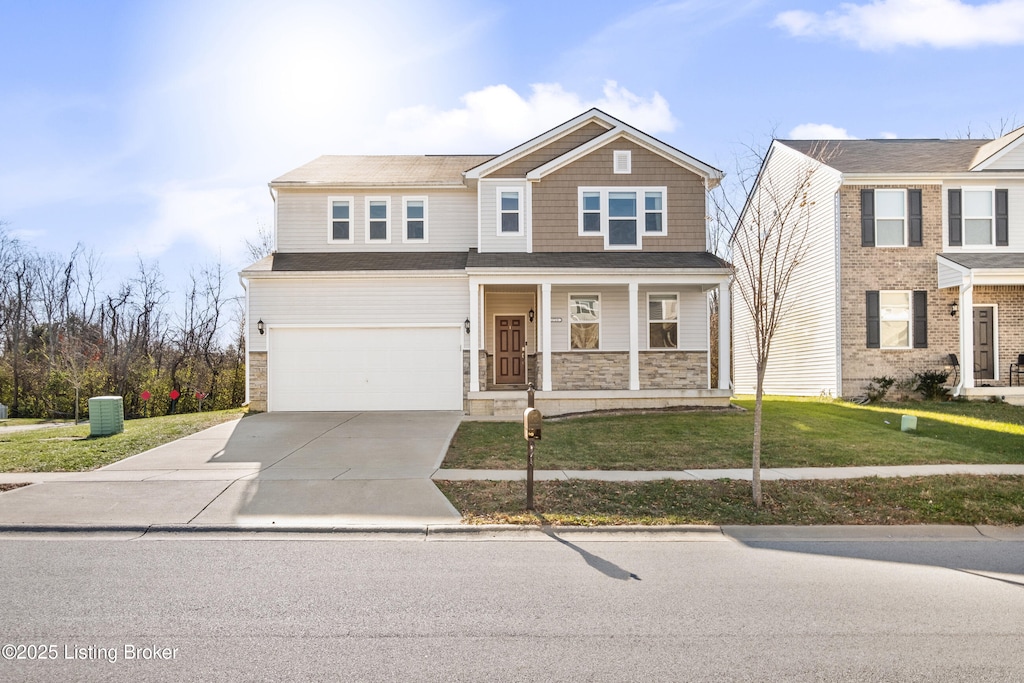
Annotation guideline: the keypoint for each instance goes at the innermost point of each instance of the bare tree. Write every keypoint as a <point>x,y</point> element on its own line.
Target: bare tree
<point>263,245</point>
<point>767,244</point>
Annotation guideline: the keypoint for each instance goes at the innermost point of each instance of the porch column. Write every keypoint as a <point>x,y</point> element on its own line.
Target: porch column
<point>724,336</point>
<point>545,339</point>
<point>474,335</point>
<point>966,336</point>
<point>634,337</point>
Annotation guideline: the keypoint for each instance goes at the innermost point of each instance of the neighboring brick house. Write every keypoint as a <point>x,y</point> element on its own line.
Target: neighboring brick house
<point>576,260</point>
<point>916,253</point>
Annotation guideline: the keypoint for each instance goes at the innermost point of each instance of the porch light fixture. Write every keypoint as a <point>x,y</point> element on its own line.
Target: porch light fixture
<point>532,315</point>
<point>954,308</point>
<point>260,326</point>
<point>467,325</point>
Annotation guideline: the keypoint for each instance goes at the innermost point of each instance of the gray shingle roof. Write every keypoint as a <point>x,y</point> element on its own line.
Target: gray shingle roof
<point>407,170</point>
<point>356,261</point>
<point>986,260</point>
<point>597,259</point>
<point>893,156</point>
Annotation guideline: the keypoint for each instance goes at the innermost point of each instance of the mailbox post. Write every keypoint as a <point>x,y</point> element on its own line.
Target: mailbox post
<point>531,432</point>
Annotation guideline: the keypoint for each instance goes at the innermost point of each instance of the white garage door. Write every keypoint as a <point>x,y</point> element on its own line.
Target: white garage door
<point>408,368</point>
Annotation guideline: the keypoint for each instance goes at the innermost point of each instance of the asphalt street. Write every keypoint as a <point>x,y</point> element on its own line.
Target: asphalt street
<point>399,608</point>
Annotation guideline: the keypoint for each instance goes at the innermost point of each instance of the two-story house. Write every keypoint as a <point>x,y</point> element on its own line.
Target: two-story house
<point>915,263</point>
<point>576,260</point>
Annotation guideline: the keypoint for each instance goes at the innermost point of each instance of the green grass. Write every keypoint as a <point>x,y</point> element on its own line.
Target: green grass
<point>797,433</point>
<point>956,499</point>
<point>71,449</point>
<point>23,421</point>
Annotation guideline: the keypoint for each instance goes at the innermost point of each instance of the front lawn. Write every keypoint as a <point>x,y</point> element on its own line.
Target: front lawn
<point>797,433</point>
<point>71,449</point>
<point>959,499</point>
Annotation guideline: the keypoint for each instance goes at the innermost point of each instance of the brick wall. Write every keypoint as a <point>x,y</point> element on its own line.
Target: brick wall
<point>258,381</point>
<point>1009,302</point>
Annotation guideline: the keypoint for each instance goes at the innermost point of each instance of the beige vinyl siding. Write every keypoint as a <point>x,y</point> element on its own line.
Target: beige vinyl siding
<point>804,355</point>
<point>556,199</point>
<point>510,303</point>
<point>693,316</point>
<point>490,240</point>
<point>518,168</point>
<point>1011,161</point>
<point>614,316</point>
<point>302,220</point>
<point>396,302</point>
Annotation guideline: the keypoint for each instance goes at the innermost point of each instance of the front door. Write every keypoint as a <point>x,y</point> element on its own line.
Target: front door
<point>984,348</point>
<point>509,337</point>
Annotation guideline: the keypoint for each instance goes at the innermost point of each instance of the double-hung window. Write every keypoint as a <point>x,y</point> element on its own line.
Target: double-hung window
<point>378,219</point>
<point>584,321</point>
<point>663,321</point>
<point>894,320</point>
<point>622,215</point>
<point>897,319</point>
<point>890,218</point>
<point>339,219</point>
<point>979,216</point>
<point>415,210</point>
<point>510,211</point>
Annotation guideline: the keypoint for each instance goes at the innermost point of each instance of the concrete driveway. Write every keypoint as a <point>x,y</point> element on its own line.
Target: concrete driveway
<point>272,470</point>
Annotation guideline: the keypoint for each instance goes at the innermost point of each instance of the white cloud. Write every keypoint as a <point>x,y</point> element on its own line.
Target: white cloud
<point>497,117</point>
<point>886,24</point>
<point>819,131</point>
<point>889,136</point>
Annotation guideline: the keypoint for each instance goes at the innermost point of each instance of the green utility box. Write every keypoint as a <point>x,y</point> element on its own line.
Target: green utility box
<point>106,415</point>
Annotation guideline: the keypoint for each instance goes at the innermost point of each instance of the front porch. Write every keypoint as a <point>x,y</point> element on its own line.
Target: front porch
<point>596,338</point>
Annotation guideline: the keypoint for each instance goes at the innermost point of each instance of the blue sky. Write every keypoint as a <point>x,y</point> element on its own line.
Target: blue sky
<point>151,128</point>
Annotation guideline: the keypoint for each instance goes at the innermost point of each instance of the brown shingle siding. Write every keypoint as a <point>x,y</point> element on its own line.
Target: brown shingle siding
<point>518,168</point>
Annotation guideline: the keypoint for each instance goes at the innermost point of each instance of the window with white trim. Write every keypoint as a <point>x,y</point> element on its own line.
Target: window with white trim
<point>584,321</point>
<point>979,216</point>
<point>339,218</point>
<point>415,211</point>
<point>510,211</point>
<point>894,308</point>
<point>378,219</point>
<point>623,215</point>
<point>890,218</point>
<point>663,321</point>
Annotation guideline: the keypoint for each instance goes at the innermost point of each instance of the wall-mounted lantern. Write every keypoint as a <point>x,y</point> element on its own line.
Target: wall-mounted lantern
<point>260,326</point>
<point>467,325</point>
<point>954,308</point>
<point>532,315</point>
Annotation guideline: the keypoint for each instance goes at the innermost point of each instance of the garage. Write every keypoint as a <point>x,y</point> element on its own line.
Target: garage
<point>364,368</point>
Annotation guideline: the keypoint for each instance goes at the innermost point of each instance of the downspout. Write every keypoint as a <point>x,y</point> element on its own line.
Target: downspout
<point>273,198</point>
<point>245,285</point>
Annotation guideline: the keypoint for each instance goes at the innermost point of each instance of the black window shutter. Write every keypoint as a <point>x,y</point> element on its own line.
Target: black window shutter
<point>955,219</point>
<point>867,218</point>
<point>1002,218</point>
<point>916,235</point>
<point>874,333</point>
<point>920,319</point>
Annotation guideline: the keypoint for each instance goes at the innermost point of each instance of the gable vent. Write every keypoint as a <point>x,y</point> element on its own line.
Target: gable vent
<point>623,161</point>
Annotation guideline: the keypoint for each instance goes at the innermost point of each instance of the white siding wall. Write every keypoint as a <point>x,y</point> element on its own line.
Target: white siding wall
<point>490,240</point>
<point>1012,161</point>
<point>693,317</point>
<point>804,352</point>
<point>510,303</point>
<point>302,220</point>
<point>355,302</point>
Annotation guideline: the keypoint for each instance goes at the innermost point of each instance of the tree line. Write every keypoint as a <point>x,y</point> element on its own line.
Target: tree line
<point>65,338</point>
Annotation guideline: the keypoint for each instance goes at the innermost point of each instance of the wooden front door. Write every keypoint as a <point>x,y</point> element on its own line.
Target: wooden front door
<point>984,347</point>
<point>509,336</point>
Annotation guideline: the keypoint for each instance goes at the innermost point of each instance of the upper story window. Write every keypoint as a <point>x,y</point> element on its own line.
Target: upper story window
<point>415,209</point>
<point>378,219</point>
<point>978,217</point>
<point>622,161</point>
<point>663,321</point>
<point>339,219</point>
<point>891,218</point>
<point>584,321</point>
<point>623,215</point>
<point>510,211</point>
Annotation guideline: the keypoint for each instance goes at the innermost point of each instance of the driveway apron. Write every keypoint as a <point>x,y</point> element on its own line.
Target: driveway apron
<point>272,470</point>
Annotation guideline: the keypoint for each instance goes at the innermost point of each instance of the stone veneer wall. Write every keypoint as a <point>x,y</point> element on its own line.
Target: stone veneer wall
<point>1009,327</point>
<point>589,370</point>
<point>258,381</point>
<point>673,370</point>
<point>892,268</point>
